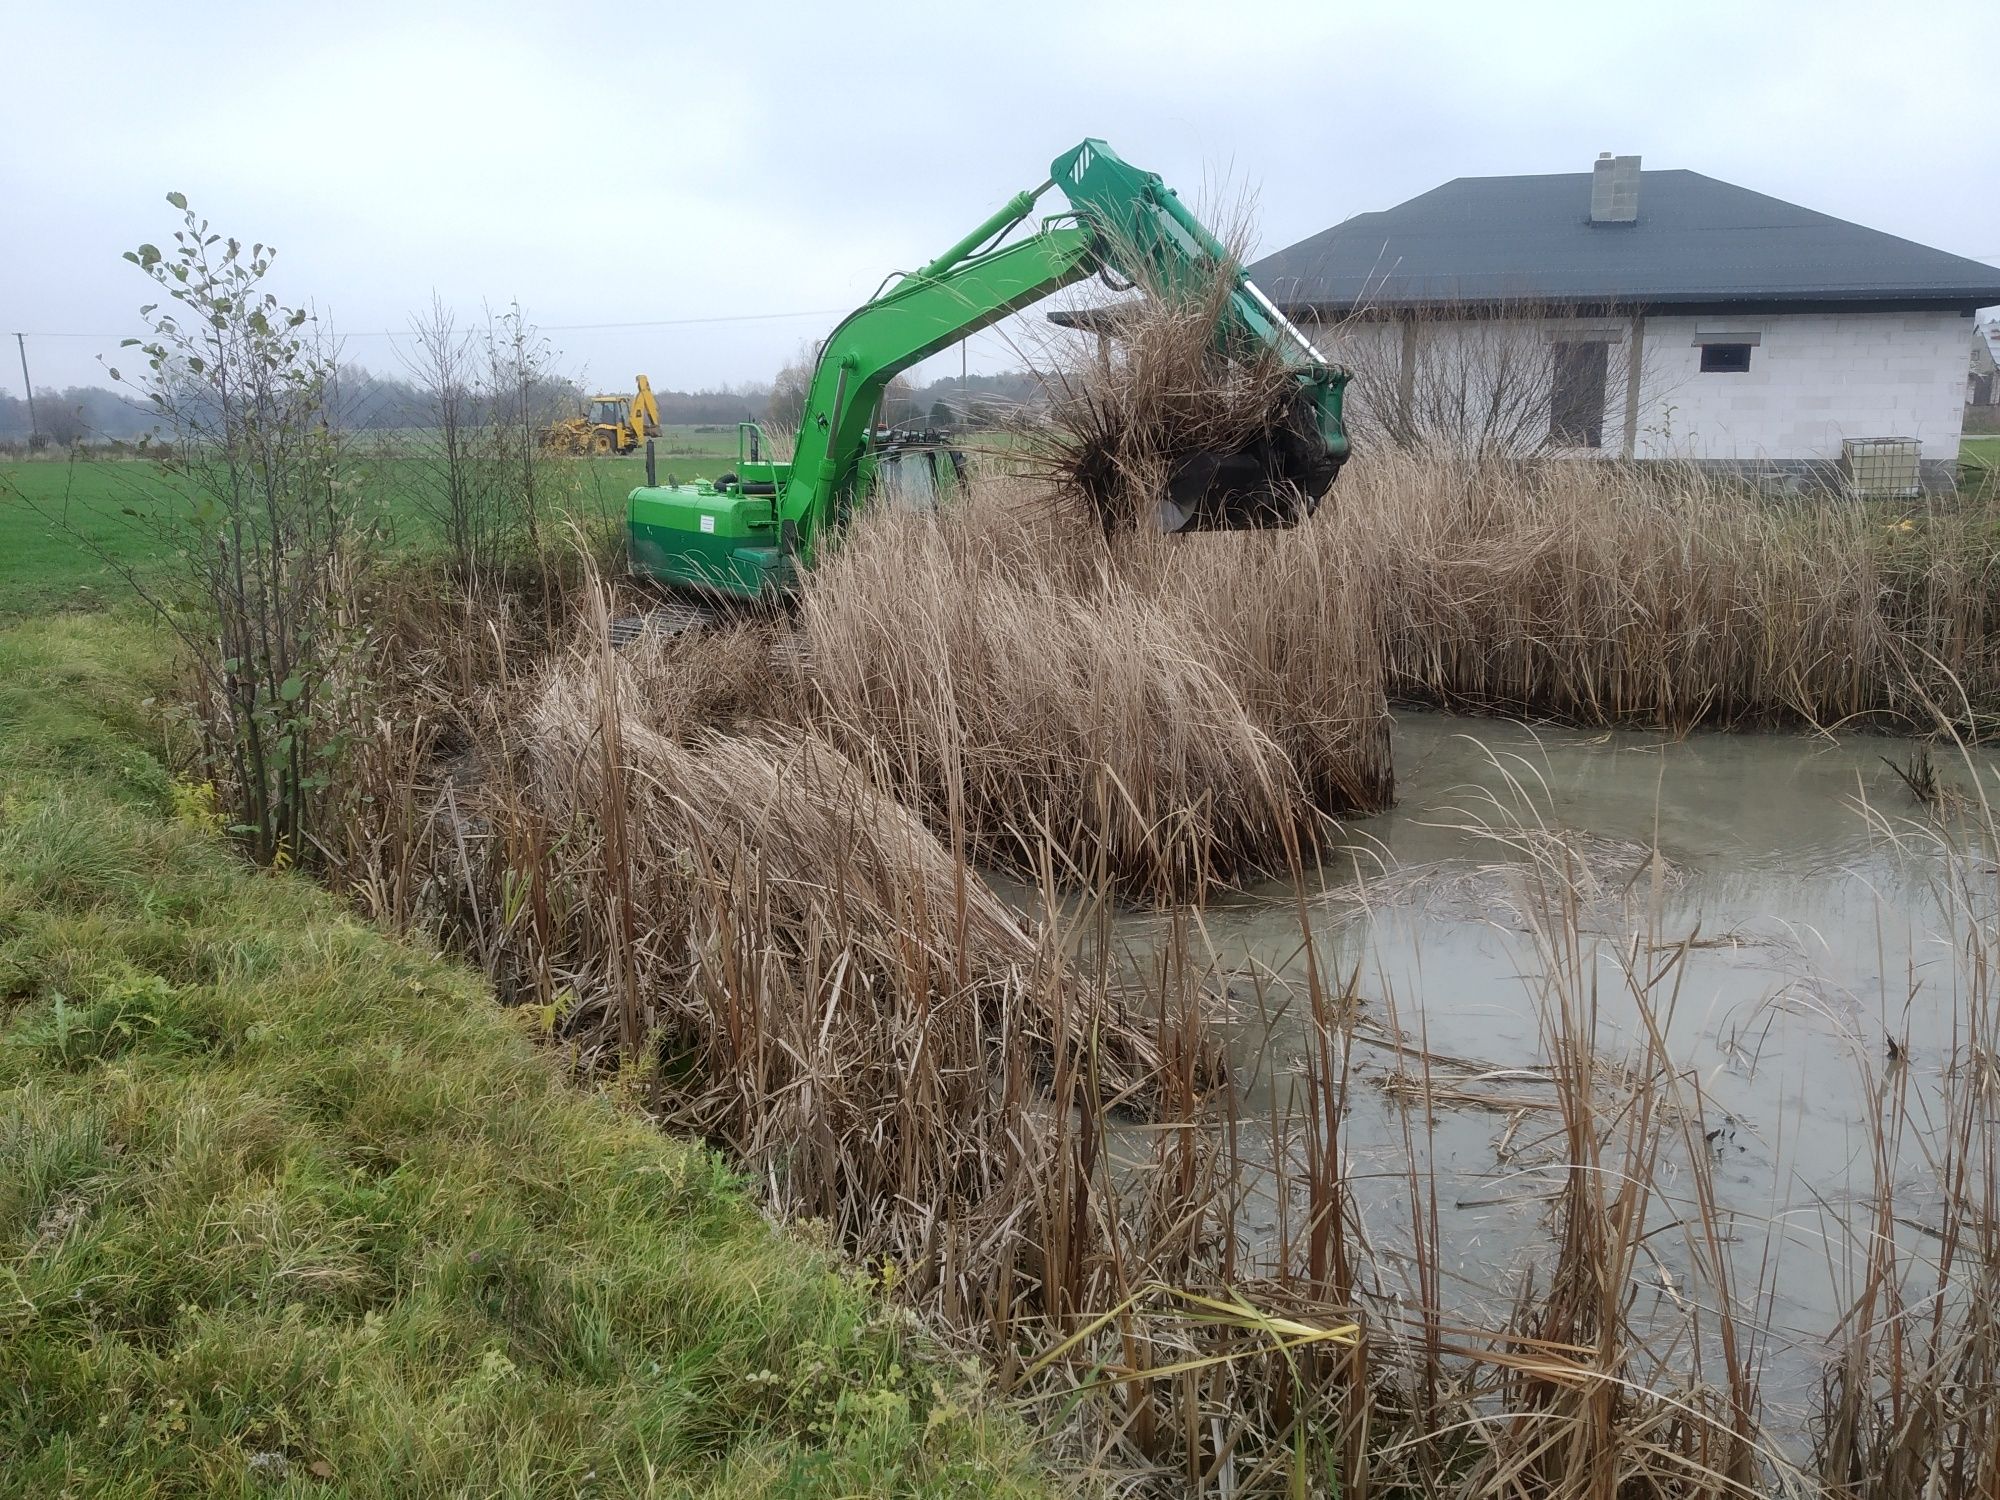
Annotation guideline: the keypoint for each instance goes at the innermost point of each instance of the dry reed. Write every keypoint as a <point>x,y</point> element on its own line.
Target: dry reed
<point>663,843</point>
<point>1165,395</point>
<point>1604,594</point>
<point>1140,709</point>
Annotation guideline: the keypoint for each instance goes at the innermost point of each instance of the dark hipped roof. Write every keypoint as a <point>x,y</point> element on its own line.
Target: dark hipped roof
<point>1697,242</point>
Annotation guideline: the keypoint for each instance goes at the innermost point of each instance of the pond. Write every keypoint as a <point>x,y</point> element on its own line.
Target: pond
<point>1779,909</point>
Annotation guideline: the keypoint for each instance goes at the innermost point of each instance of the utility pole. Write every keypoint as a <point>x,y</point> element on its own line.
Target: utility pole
<point>34,426</point>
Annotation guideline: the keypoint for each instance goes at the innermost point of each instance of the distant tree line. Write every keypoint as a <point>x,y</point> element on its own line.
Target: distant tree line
<point>363,400</point>
<point>76,413</point>
<point>729,405</point>
<point>983,400</point>
<point>975,401</point>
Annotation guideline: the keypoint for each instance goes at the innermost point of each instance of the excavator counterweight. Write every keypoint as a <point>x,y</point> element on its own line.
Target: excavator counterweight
<point>748,534</point>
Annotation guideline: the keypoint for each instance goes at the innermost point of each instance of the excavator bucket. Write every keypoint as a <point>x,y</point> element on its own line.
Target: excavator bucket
<point>1277,480</point>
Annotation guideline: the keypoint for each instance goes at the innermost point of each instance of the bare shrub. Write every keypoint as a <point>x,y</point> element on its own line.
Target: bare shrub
<point>481,471</point>
<point>1483,381</point>
<point>258,518</point>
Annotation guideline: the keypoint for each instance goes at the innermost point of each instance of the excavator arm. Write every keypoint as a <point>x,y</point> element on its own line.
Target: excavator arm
<point>747,534</point>
<point>920,315</point>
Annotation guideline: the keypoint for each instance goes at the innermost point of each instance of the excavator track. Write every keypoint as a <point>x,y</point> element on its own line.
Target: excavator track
<point>678,619</point>
<point>674,618</point>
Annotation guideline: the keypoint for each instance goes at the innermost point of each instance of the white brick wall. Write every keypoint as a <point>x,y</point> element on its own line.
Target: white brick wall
<point>1814,378</point>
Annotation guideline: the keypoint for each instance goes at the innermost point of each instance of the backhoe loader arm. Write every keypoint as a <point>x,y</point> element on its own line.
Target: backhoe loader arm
<point>645,410</point>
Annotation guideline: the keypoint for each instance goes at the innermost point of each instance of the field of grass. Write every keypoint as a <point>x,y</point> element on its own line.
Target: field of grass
<point>689,453</point>
<point>43,562</point>
<point>55,515</point>
<point>46,503</point>
<point>288,1207</point>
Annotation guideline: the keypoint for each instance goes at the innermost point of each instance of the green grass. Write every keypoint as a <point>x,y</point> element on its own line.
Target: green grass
<point>1982,451</point>
<point>68,528</point>
<point>289,1208</point>
<point>691,452</point>
<point>58,516</point>
<point>44,505</point>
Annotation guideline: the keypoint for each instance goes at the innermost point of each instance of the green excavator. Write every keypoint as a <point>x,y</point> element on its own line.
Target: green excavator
<point>748,534</point>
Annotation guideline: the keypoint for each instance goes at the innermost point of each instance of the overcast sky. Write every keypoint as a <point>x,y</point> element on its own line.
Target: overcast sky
<point>653,163</point>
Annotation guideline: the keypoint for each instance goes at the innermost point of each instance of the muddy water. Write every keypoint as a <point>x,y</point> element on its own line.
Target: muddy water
<point>1795,954</point>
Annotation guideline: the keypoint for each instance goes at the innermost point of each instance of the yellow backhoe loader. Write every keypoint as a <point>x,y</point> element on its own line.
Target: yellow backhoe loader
<point>616,424</point>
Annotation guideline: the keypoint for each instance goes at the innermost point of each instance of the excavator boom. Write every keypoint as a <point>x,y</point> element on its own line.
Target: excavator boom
<point>748,534</point>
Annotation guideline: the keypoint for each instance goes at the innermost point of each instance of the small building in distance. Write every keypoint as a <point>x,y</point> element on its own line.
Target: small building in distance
<point>1982,387</point>
<point>1641,315</point>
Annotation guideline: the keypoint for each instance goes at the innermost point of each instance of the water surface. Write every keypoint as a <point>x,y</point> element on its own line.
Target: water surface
<point>1780,897</point>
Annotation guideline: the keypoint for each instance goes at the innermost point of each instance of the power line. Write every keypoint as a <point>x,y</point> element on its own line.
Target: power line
<point>405,333</point>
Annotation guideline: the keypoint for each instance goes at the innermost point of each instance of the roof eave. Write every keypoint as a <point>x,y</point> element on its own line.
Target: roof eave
<point>1961,299</point>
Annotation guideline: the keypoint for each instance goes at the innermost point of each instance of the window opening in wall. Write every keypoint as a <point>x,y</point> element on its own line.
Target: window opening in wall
<point>1576,403</point>
<point>1725,359</point>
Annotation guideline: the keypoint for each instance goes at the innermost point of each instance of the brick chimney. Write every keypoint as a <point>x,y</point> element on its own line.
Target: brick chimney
<point>1614,189</point>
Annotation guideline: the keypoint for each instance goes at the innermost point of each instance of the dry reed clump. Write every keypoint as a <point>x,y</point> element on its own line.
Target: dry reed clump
<point>801,970</point>
<point>1041,673</point>
<point>1910,1403</point>
<point>1603,594</point>
<point>1283,610</point>
<point>1033,690</point>
<point>615,733</point>
<point>1165,392</point>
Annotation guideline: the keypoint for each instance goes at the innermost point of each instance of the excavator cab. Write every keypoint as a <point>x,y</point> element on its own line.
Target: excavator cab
<point>911,468</point>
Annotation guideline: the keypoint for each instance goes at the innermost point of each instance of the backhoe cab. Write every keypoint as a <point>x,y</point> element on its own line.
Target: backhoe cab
<point>747,534</point>
<point>615,424</point>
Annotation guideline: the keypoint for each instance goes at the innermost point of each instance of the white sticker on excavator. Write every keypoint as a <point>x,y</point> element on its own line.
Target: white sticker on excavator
<point>708,523</point>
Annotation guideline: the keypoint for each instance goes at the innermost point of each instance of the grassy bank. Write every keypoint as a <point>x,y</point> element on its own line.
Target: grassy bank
<point>288,1207</point>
